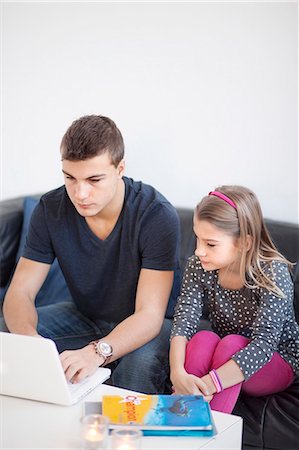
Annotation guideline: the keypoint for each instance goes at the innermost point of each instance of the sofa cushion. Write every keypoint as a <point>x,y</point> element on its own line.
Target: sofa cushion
<point>28,207</point>
<point>54,289</point>
<point>271,421</point>
<point>175,291</point>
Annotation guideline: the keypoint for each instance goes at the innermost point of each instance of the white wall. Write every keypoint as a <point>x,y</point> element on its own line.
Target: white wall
<point>204,93</point>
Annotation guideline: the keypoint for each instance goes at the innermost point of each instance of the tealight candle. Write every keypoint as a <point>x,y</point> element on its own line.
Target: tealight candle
<point>126,439</point>
<point>94,432</point>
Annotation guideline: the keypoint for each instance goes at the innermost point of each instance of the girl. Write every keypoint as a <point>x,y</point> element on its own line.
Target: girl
<point>246,285</point>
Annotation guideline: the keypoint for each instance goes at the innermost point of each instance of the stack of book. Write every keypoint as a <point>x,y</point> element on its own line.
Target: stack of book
<point>163,415</point>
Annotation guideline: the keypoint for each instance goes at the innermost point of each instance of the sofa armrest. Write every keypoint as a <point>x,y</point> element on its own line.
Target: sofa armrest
<point>11,219</point>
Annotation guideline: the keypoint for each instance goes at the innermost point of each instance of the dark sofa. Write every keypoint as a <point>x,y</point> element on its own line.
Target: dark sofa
<point>270,422</point>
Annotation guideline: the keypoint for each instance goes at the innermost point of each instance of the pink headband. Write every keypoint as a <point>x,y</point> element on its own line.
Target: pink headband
<point>223,197</point>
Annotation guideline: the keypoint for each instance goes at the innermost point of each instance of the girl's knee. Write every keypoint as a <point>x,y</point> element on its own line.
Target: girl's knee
<point>204,337</point>
<point>231,344</point>
<point>199,352</point>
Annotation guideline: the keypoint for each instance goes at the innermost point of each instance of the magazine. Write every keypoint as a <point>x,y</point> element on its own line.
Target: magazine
<point>188,415</point>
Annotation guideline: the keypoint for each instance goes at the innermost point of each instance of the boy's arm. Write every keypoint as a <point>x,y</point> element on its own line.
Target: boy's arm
<point>18,307</point>
<point>153,291</point>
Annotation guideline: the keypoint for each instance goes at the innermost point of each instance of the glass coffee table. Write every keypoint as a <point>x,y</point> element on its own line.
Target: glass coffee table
<point>26,424</point>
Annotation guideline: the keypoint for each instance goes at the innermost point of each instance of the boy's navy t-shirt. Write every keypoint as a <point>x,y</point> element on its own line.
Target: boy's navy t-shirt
<point>102,275</point>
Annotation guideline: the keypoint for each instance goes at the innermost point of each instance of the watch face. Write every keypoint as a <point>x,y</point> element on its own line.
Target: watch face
<point>105,348</point>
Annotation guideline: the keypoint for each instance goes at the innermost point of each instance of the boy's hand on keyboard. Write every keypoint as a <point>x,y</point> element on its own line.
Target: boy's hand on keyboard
<point>79,364</point>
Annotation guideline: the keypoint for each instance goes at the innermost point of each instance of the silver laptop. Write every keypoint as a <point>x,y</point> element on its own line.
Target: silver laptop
<point>30,368</point>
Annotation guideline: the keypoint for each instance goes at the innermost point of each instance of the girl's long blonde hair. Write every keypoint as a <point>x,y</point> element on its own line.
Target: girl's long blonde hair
<point>240,222</point>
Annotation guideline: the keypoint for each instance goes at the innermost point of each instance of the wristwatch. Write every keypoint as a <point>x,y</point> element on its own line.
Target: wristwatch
<point>103,349</point>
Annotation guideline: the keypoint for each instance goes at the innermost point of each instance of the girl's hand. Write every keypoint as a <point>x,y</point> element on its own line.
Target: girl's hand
<point>188,384</point>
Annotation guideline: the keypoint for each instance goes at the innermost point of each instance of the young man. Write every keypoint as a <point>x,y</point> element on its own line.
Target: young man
<point>116,241</point>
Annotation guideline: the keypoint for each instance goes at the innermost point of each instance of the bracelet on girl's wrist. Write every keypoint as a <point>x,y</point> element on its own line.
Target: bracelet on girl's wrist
<point>216,380</point>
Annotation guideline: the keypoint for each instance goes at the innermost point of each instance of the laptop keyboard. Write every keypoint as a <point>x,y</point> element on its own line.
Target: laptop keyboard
<point>81,389</point>
<point>74,387</point>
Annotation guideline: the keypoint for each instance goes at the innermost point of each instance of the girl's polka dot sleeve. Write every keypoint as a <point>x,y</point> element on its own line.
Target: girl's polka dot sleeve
<point>188,310</point>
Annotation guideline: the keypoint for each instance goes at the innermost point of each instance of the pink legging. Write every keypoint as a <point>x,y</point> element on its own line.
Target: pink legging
<point>206,351</point>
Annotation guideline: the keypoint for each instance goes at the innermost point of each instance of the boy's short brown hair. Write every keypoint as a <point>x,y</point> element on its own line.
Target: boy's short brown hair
<point>91,136</point>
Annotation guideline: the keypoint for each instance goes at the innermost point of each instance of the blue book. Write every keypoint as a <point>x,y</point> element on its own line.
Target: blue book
<point>163,415</point>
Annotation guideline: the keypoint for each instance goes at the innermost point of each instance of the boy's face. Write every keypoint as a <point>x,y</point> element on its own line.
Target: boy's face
<point>92,184</point>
